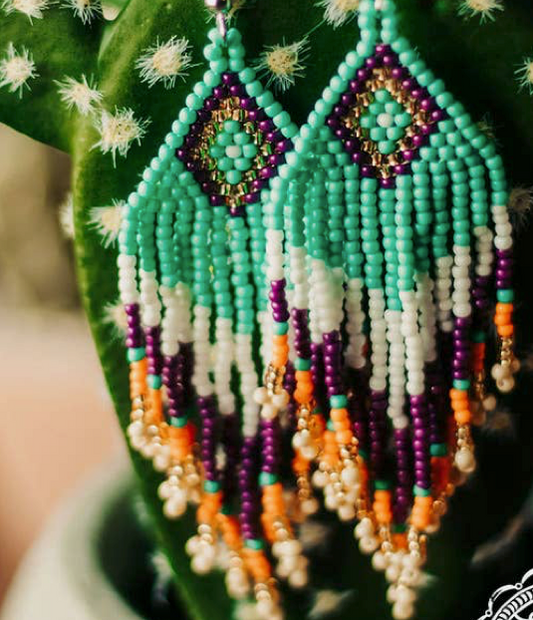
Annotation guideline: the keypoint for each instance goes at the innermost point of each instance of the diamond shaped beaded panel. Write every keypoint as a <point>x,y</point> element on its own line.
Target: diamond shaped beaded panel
<point>384,117</point>
<point>234,146</point>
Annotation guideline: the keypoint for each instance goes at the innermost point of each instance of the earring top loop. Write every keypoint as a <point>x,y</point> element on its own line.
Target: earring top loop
<point>221,9</point>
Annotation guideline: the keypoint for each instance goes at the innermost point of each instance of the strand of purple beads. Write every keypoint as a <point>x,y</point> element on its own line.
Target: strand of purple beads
<point>270,432</point>
<point>134,332</point>
<point>231,442</point>
<point>289,385</point>
<point>481,300</point>
<point>436,402</point>
<point>332,355</point>
<point>153,350</point>
<point>302,336</point>
<point>278,301</point>
<point>461,348</point>
<point>357,410</point>
<point>504,269</point>
<point>421,446</point>
<point>250,507</point>
<point>208,441</point>
<point>317,372</point>
<point>377,432</point>
<point>176,375</point>
<point>403,495</point>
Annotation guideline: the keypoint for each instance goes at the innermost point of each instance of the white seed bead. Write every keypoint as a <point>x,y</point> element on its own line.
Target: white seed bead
<point>175,506</point>
<point>392,573</point>
<point>465,460</point>
<point>201,564</point>
<point>506,385</point>
<point>368,544</point>
<point>402,611</point>
<point>379,561</point>
<point>346,512</point>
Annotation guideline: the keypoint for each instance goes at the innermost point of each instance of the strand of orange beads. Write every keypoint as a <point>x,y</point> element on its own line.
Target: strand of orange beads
<point>147,428</point>
<point>273,398</point>
<point>464,458</point>
<point>507,366</point>
<point>310,423</point>
<point>265,587</point>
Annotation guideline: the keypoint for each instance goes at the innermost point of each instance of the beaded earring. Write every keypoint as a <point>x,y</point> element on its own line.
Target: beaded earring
<point>191,258</point>
<point>350,265</point>
<point>383,228</point>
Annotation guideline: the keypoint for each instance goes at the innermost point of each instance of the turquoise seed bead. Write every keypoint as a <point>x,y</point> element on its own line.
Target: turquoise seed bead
<point>247,75</point>
<point>219,66</point>
<point>254,89</point>
<point>193,101</point>
<point>438,449</point>
<point>417,68</point>
<point>155,382</point>
<point>212,52</point>
<point>500,198</point>
<point>267,479</point>
<point>233,37</point>
<point>233,177</point>
<point>274,109</point>
<point>255,544</point>
<point>345,71</point>
<point>265,99</point>
<point>225,164</point>
<point>408,57</point>
<point>211,486</point>
<point>444,99</point>
<point>282,119</point>
<point>302,364</point>
<point>461,239</point>
<point>420,492</point>
<point>400,45</point>
<point>215,37</point>
<point>456,109</point>
<point>280,329</point>
<point>242,164</point>
<point>135,355</point>
<point>505,296</point>
<point>337,84</point>
<point>236,51</point>
<point>179,422</point>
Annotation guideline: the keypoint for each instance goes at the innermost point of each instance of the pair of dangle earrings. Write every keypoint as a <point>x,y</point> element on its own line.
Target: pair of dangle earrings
<point>317,301</point>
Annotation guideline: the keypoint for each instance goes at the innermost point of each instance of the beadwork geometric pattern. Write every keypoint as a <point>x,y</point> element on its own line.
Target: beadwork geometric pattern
<point>233,148</point>
<point>384,121</point>
<point>385,117</point>
<point>373,242</point>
